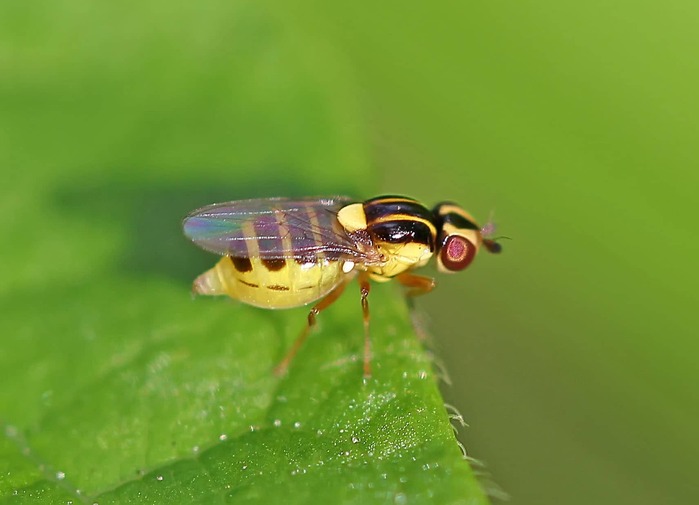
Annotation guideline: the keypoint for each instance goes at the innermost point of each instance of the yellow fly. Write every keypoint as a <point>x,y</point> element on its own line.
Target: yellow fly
<point>280,253</point>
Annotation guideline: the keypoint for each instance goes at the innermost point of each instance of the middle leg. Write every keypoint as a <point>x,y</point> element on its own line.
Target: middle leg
<point>365,287</point>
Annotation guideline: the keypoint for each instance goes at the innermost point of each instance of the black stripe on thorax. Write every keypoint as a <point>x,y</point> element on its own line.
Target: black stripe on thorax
<point>401,232</point>
<point>386,206</point>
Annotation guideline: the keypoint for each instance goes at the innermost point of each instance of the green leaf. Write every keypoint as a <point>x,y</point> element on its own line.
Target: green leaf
<point>117,386</point>
<point>185,409</point>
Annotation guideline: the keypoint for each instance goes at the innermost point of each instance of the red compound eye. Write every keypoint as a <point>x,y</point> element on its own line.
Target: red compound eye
<point>457,252</point>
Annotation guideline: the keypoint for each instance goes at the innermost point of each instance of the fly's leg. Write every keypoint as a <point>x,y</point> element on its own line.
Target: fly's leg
<point>283,365</point>
<point>364,287</point>
<point>416,285</point>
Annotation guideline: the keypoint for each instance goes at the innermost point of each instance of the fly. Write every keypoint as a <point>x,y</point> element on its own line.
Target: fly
<point>280,253</point>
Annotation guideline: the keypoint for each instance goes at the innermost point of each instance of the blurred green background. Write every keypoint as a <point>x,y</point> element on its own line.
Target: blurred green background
<point>573,355</point>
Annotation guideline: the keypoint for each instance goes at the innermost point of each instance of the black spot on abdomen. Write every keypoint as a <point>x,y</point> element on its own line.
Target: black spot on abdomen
<point>241,264</point>
<point>274,264</point>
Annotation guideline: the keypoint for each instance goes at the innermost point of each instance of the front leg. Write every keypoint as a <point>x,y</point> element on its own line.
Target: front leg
<point>416,285</point>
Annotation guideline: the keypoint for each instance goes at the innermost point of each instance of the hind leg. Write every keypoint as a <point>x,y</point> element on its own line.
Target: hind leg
<point>326,302</point>
<point>365,287</point>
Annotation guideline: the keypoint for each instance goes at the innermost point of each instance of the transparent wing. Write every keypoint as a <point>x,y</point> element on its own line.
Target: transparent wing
<point>273,228</point>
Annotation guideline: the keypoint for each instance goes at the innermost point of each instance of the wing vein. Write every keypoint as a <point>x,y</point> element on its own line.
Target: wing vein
<point>273,228</point>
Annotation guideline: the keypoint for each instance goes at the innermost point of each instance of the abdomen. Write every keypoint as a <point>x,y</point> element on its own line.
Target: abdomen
<point>270,283</point>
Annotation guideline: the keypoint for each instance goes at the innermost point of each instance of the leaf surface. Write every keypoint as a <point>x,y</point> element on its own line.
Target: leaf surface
<point>117,386</point>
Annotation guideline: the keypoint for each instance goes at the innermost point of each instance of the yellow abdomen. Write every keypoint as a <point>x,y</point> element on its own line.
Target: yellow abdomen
<point>270,283</point>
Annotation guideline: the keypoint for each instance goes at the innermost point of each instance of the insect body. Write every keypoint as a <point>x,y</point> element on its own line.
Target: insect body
<point>281,253</point>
